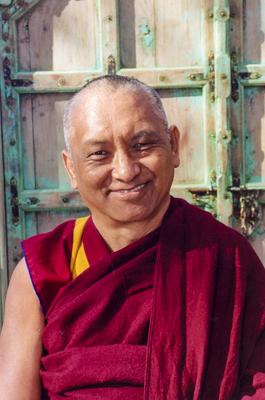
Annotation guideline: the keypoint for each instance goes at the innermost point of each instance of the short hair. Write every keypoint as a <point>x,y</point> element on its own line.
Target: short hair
<point>112,81</point>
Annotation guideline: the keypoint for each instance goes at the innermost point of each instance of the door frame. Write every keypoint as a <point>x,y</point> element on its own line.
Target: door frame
<point>3,259</point>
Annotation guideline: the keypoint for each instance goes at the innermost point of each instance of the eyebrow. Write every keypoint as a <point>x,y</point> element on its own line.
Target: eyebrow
<point>92,142</point>
<point>137,136</point>
<point>146,134</point>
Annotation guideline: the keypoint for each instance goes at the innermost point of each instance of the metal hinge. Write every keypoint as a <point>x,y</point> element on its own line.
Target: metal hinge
<point>111,65</point>
<point>205,200</point>
<point>8,79</point>
<point>14,200</point>
<point>237,76</point>
<point>210,76</point>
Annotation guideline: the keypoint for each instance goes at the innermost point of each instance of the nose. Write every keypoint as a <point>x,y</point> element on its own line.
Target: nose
<point>125,168</point>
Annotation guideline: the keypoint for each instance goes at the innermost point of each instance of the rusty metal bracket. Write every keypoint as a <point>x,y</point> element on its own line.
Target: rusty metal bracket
<point>211,76</point>
<point>196,77</point>
<point>111,65</point>
<point>205,200</point>
<point>234,77</point>
<point>8,79</point>
<point>249,75</point>
<point>222,14</point>
<point>14,200</point>
<point>248,211</point>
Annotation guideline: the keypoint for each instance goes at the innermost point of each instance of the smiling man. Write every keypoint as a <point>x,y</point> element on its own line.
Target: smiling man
<point>149,297</point>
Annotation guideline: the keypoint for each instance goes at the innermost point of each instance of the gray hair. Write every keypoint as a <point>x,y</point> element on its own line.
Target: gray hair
<point>113,81</point>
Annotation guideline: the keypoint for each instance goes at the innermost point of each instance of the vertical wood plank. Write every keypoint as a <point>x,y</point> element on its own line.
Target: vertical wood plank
<point>23,36</point>
<point>179,32</point>
<point>40,35</point>
<point>254,31</point>
<point>109,36</point>
<point>145,33</point>
<point>59,106</point>
<point>48,139</point>
<point>222,93</point>
<point>29,224</point>
<point>207,106</point>
<point>237,103</point>
<point>127,34</point>
<point>254,110</point>
<point>184,108</point>
<point>75,48</point>
<point>27,141</point>
<point>45,143</point>
<point>68,31</point>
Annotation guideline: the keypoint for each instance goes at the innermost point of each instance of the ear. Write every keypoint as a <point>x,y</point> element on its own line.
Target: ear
<point>69,166</point>
<point>174,142</point>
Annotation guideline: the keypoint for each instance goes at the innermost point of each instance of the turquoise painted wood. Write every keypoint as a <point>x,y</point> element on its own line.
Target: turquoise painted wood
<point>189,51</point>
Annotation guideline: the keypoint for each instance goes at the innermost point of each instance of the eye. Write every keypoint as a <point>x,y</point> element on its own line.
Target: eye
<point>143,146</point>
<point>98,155</point>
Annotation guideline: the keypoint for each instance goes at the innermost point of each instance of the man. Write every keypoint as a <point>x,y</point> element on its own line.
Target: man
<point>149,298</point>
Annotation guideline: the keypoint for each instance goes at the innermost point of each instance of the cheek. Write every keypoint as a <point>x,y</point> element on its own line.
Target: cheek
<point>164,173</point>
<point>161,165</point>
<point>92,176</point>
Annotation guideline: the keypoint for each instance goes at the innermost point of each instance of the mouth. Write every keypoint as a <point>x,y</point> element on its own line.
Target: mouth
<point>133,190</point>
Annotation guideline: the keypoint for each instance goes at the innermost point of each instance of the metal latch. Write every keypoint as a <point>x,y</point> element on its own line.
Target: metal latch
<point>14,200</point>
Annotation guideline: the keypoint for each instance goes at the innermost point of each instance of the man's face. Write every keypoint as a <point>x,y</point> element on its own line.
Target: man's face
<point>122,159</point>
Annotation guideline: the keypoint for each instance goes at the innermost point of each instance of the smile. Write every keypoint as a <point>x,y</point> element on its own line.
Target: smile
<point>132,191</point>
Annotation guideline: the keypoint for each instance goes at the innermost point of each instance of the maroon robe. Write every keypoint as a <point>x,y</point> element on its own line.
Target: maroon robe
<point>206,335</point>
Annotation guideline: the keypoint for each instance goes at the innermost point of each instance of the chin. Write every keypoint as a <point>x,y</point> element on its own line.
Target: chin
<point>133,214</point>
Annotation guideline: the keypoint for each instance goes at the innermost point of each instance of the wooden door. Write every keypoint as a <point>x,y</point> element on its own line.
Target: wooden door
<point>247,119</point>
<point>51,48</point>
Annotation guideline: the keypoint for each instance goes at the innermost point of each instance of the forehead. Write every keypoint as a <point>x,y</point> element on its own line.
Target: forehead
<point>111,111</point>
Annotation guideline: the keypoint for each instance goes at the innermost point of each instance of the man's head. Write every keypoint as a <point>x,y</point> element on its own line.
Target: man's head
<point>120,153</point>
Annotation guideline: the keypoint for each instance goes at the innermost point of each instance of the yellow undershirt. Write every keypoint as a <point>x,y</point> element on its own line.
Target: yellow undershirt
<point>79,261</point>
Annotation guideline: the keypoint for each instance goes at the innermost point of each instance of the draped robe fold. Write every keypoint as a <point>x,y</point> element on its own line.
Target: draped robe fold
<point>203,292</point>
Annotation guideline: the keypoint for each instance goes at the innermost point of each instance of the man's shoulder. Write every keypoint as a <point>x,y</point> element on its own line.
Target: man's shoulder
<point>46,246</point>
<point>203,232</point>
<point>47,256</point>
<point>203,227</point>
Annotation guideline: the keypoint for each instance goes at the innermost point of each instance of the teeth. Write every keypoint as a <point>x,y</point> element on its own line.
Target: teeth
<point>135,189</point>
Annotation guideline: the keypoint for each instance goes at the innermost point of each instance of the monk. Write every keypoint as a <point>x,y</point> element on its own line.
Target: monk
<point>147,297</point>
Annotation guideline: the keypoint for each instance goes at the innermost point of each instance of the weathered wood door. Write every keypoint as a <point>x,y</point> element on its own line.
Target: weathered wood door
<point>247,49</point>
<point>191,51</point>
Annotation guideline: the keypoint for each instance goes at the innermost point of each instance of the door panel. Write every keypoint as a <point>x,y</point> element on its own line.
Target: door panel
<point>54,36</point>
<point>193,152</point>
<point>247,119</point>
<point>254,31</point>
<point>42,140</point>
<point>157,33</point>
<point>254,107</point>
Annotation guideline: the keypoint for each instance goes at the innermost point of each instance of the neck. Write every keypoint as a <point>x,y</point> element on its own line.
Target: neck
<point>119,234</point>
